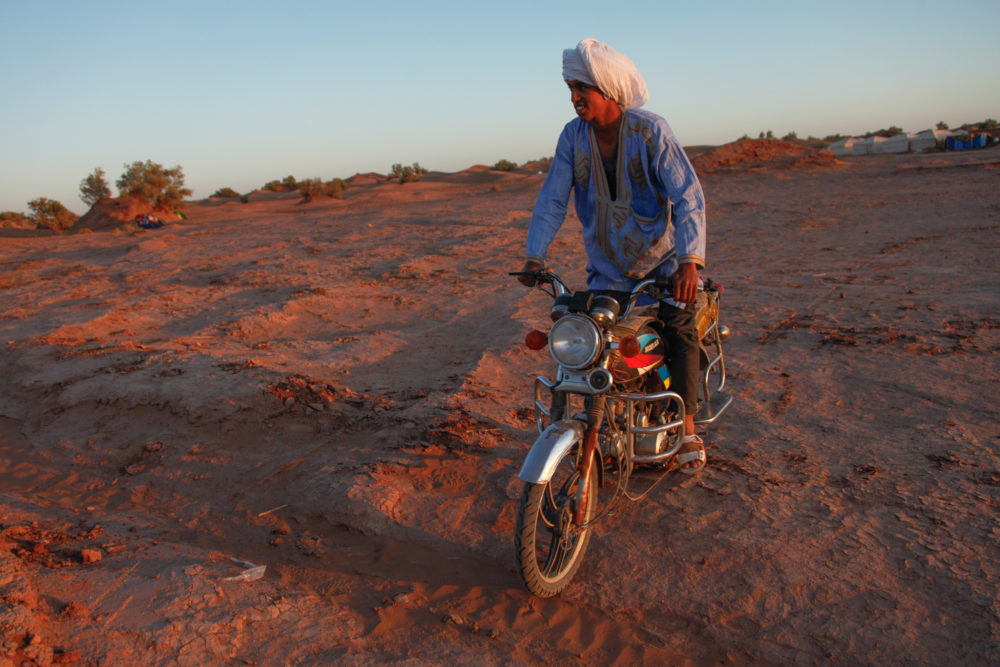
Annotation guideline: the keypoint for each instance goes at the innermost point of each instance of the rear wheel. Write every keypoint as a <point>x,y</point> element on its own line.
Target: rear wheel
<point>549,547</point>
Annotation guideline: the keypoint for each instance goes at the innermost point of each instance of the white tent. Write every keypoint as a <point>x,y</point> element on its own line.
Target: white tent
<point>844,146</point>
<point>928,140</point>
<point>867,146</point>
<point>899,143</point>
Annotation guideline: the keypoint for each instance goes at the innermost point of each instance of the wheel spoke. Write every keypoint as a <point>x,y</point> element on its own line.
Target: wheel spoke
<point>548,509</point>
<point>559,549</point>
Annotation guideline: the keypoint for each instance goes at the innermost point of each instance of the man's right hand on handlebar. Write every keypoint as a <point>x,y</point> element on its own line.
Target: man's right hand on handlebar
<point>530,267</point>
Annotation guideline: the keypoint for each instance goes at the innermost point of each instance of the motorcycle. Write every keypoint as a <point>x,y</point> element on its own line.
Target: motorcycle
<point>608,413</point>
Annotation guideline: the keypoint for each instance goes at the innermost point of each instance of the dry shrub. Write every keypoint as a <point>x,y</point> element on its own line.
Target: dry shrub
<point>409,174</point>
<point>312,188</point>
<point>10,219</point>
<point>51,214</point>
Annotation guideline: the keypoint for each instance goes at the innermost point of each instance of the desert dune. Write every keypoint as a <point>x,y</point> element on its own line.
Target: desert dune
<point>338,391</point>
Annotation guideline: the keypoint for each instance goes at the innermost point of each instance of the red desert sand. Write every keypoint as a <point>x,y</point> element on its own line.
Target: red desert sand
<point>283,433</point>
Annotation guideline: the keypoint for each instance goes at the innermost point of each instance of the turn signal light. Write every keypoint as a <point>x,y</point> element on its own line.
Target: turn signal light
<point>629,347</point>
<point>535,340</point>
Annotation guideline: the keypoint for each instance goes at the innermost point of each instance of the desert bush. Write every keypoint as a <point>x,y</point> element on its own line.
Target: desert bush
<point>311,188</point>
<point>227,193</point>
<point>336,187</point>
<point>941,125</point>
<point>94,188</point>
<point>150,182</point>
<point>505,165</point>
<point>287,184</point>
<point>791,136</point>
<point>891,131</point>
<point>52,214</point>
<point>315,187</point>
<point>12,219</point>
<point>407,174</point>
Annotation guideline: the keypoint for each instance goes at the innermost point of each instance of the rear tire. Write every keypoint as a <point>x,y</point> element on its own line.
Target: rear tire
<point>549,547</point>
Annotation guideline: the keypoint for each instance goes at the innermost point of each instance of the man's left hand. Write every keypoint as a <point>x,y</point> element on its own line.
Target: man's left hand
<point>685,283</point>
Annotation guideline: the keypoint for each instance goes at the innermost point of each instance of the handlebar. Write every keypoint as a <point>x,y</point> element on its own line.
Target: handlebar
<point>544,277</point>
<point>656,287</point>
<point>659,284</point>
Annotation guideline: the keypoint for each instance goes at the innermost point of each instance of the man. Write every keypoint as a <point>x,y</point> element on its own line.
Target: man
<point>639,202</point>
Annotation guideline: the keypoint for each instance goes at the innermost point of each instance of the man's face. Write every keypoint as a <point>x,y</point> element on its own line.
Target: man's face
<point>588,101</point>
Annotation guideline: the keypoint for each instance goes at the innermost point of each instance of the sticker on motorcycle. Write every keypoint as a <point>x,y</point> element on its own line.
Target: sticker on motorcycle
<point>650,346</point>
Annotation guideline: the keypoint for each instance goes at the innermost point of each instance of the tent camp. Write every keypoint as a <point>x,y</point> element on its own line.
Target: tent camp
<point>928,140</point>
<point>844,146</point>
<point>899,143</point>
<point>866,146</point>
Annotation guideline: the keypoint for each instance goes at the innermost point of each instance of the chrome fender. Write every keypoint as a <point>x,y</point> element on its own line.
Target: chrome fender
<point>549,448</point>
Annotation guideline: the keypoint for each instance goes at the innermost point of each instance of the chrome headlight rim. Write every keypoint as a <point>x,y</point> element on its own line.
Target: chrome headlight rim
<point>580,332</point>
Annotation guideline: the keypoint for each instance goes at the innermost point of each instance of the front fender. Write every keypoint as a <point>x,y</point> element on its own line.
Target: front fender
<point>549,448</point>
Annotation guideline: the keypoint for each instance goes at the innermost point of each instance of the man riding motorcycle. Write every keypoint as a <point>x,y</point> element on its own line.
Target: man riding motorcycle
<point>640,205</point>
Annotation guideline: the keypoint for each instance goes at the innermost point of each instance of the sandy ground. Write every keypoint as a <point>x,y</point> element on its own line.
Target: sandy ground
<point>337,391</point>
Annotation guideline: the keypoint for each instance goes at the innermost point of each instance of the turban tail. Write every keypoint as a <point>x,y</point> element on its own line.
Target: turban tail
<point>597,64</point>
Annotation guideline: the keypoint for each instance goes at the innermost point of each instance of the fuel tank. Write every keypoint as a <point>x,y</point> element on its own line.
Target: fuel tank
<point>652,349</point>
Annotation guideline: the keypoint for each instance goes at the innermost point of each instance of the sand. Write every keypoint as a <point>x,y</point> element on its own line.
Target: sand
<point>338,392</point>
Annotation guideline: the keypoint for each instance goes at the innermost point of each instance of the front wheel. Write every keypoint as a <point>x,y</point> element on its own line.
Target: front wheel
<point>549,547</point>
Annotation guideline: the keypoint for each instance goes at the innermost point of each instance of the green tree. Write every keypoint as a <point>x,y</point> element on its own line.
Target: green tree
<point>942,125</point>
<point>150,182</point>
<point>52,214</point>
<point>505,165</point>
<point>94,188</point>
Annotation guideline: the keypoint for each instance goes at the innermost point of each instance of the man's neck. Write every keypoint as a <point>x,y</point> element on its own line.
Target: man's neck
<point>607,124</point>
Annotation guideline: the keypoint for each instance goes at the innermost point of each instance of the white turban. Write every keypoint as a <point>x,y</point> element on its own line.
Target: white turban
<point>597,64</point>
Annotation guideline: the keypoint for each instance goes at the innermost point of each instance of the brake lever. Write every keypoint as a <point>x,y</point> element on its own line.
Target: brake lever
<point>539,276</point>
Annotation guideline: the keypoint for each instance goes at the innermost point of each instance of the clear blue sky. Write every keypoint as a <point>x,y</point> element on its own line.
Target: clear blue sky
<point>240,93</point>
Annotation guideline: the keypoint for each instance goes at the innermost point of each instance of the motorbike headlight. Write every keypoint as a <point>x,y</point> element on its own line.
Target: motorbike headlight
<point>574,341</point>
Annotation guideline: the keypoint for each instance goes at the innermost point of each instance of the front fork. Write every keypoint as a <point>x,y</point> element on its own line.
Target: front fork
<point>595,415</point>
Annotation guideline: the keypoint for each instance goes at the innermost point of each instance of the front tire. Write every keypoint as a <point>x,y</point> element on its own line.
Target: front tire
<point>549,547</point>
